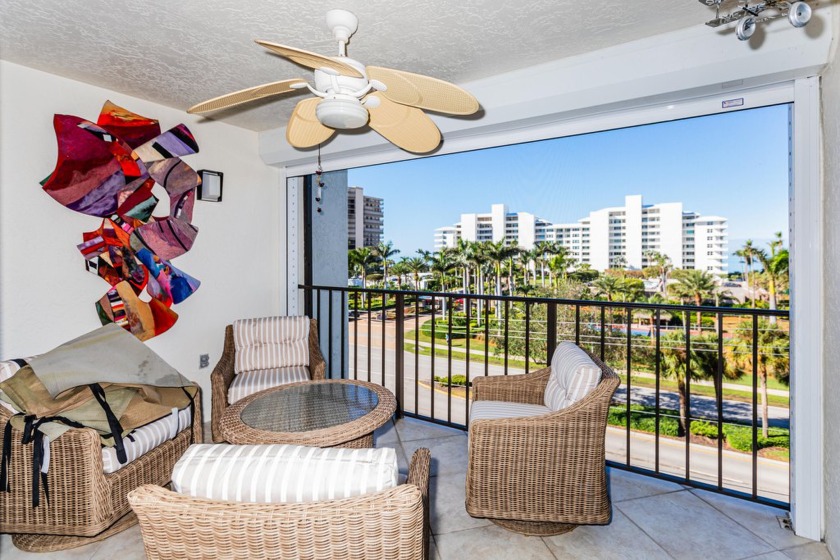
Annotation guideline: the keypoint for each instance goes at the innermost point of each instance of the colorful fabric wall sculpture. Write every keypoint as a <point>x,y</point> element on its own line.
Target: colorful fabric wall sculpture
<point>108,170</point>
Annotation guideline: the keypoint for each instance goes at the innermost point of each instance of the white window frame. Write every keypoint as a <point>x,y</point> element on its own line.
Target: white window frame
<point>806,245</point>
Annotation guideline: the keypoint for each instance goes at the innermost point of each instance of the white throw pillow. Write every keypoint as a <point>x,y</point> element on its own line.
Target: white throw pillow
<point>573,376</point>
<point>283,473</point>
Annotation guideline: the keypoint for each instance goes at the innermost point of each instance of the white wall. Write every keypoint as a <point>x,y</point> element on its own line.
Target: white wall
<point>46,296</point>
<point>831,358</point>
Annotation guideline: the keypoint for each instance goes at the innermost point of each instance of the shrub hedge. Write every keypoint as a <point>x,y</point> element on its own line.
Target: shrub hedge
<point>738,437</point>
<point>456,380</point>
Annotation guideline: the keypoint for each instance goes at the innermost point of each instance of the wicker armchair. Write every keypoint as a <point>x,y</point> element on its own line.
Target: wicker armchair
<point>85,505</point>
<point>223,375</point>
<point>540,475</point>
<point>392,524</point>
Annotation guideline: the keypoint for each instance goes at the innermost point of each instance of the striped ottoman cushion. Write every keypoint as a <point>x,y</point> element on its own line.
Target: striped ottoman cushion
<point>573,376</point>
<point>270,342</point>
<point>282,473</point>
<point>249,382</point>
<point>488,410</point>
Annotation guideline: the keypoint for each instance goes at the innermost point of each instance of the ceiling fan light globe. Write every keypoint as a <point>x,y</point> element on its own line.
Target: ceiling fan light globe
<point>342,113</point>
<point>799,14</point>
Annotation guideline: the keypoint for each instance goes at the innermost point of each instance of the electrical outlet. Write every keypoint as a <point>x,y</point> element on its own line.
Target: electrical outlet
<point>203,361</point>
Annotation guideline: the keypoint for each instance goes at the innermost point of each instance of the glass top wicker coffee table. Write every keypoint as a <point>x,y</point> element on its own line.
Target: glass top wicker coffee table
<point>324,413</point>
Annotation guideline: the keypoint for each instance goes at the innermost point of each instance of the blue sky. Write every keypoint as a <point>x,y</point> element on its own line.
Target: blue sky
<point>733,165</point>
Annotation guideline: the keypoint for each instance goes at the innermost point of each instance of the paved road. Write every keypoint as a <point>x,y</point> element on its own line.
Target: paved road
<point>773,476</point>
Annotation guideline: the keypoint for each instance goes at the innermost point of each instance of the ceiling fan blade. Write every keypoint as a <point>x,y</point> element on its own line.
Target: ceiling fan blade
<point>304,129</point>
<point>311,59</point>
<point>424,92</point>
<point>245,96</point>
<point>407,127</point>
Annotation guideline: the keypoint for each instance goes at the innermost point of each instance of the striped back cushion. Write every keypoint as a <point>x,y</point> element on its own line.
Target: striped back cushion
<point>283,473</point>
<point>573,376</point>
<point>8,369</point>
<point>270,342</point>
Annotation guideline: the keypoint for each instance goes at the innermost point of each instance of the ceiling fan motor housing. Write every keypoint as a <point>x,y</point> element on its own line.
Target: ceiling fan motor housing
<point>341,107</point>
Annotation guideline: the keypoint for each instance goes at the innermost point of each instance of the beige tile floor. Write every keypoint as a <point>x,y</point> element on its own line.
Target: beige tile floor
<point>652,519</point>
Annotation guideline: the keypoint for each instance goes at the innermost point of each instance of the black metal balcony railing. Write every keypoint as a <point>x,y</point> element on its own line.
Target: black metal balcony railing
<point>681,413</point>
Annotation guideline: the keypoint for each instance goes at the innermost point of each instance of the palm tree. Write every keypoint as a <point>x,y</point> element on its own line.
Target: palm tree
<point>400,268</point>
<point>384,251</point>
<point>747,252</point>
<point>559,263</point>
<point>530,257</point>
<point>776,265</point>
<point>515,253</point>
<point>695,285</point>
<point>415,265</point>
<point>703,364</point>
<point>425,255</point>
<point>441,263</point>
<point>478,259</point>
<point>606,286</point>
<point>543,249</point>
<point>662,263</point>
<point>631,289</point>
<point>773,357</point>
<point>462,252</point>
<point>361,260</point>
<point>497,253</point>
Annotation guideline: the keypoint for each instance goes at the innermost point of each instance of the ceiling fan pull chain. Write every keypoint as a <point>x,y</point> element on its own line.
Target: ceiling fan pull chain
<point>319,171</point>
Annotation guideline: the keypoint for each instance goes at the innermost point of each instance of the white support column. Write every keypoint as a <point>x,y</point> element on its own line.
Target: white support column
<point>807,301</point>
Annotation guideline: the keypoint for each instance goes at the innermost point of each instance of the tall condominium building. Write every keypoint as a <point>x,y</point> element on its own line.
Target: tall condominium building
<point>515,228</point>
<point>609,237</point>
<point>365,219</point>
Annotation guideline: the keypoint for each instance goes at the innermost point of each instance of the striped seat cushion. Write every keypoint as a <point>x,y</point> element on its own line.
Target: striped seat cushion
<point>490,410</point>
<point>250,382</point>
<point>270,342</point>
<point>573,376</point>
<point>144,439</point>
<point>283,473</point>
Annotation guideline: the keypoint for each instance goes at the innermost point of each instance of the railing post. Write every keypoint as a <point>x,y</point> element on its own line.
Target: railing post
<point>399,358</point>
<point>550,332</point>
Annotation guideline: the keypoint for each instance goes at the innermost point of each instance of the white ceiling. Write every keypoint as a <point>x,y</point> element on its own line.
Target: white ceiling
<point>178,53</point>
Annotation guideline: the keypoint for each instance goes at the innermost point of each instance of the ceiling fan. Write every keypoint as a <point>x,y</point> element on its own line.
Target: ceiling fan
<point>350,95</point>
